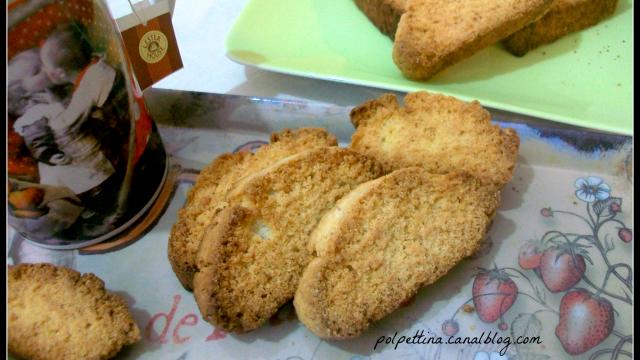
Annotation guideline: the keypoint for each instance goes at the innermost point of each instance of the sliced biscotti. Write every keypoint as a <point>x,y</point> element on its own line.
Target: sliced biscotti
<point>564,17</point>
<point>384,241</point>
<point>206,198</point>
<point>384,14</point>
<point>433,34</point>
<point>252,255</point>
<point>439,133</point>
<point>57,313</point>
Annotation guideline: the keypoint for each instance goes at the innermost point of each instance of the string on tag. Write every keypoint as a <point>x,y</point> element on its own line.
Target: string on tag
<point>142,20</point>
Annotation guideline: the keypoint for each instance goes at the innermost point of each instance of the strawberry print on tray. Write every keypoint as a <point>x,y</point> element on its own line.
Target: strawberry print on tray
<point>578,269</point>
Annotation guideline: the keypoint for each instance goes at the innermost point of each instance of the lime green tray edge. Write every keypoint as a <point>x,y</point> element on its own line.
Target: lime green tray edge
<point>584,79</point>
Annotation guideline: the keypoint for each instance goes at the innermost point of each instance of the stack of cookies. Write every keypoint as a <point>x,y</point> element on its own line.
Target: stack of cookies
<point>348,234</point>
<point>430,35</point>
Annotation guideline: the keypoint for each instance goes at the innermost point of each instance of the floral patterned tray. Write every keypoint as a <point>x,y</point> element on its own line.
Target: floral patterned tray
<point>556,269</point>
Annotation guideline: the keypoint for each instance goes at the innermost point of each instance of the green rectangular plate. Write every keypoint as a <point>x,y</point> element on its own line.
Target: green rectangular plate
<point>583,79</point>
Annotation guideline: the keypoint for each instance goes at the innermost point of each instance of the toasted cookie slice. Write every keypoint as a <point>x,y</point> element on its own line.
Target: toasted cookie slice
<point>439,133</point>
<point>206,197</point>
<point>433,34</point>
<point>57,313</point>
<point>384,241</point>
<point>564,17</point>
<point>251,258</point>
<point>384,14</point>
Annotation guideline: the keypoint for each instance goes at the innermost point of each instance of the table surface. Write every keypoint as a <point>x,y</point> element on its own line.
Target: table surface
<point>201,28</point>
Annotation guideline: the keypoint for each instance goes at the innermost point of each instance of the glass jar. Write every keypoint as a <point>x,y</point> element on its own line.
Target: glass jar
<point>85,160</point>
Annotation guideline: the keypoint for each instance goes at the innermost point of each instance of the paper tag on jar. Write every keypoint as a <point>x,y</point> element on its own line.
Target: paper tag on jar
<point>150,42</point>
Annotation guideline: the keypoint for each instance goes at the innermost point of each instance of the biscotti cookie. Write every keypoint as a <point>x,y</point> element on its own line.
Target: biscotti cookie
<point>384,14</point>
<point>57,313</point>
<point>439,133</point>
<point>206,198</point>
<point>564,17</point>
<point>433,34</point>
<point>251,257</point>
<point>384,241</point>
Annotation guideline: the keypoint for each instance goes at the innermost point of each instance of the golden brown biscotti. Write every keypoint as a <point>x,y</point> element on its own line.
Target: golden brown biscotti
<point>437,132</point>
<point>57,313</point>
<point>251,257</point>
<point>384,14</point>
<point>384,241</point>
<point>433,34</point>
<point>206,197</point>
<point>564,17</point>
